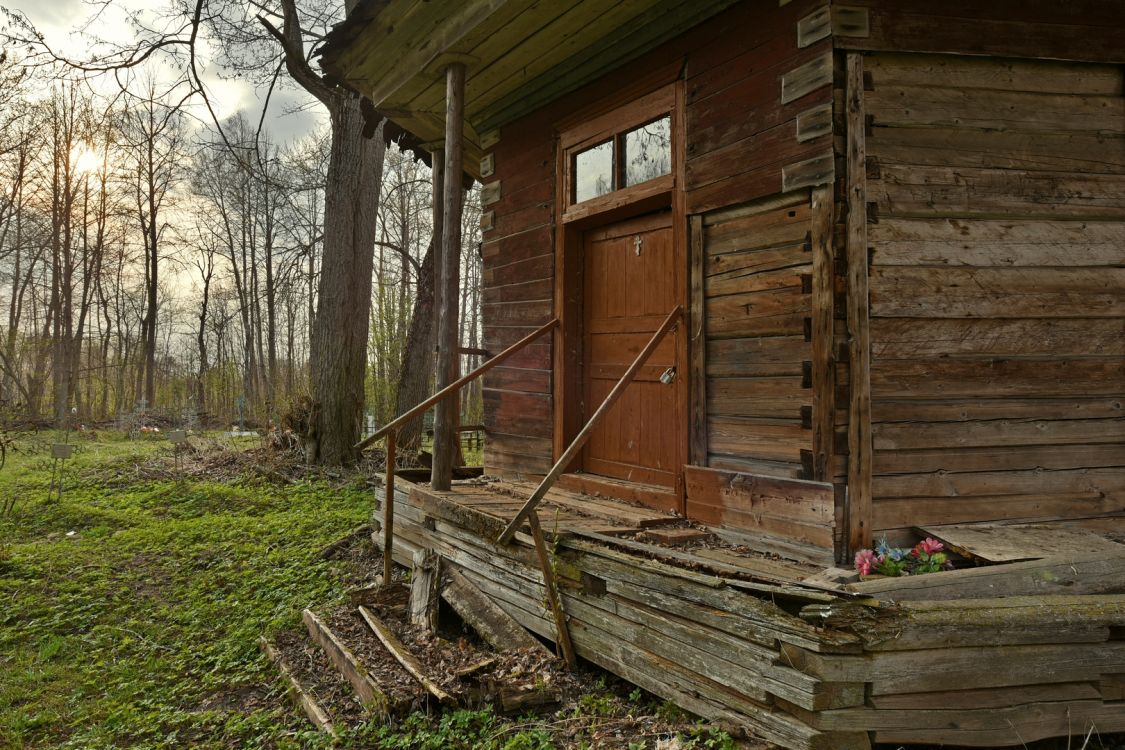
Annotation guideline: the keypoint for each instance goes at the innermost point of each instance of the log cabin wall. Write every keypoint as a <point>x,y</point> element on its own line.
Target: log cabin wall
<point>996,230</point>
<point>758,135</point>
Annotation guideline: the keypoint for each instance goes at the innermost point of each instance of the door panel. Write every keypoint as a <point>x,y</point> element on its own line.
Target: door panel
<point>631,278</point>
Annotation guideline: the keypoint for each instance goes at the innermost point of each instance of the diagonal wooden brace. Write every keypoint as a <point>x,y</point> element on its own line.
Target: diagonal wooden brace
<point>562,633</point>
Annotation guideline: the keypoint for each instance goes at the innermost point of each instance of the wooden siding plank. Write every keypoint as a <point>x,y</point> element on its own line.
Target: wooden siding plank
<point>931,337</point>
<point>994,433</point>
<point>965,72</point>
<point>997,378</point>
<point>979,242</point>
<point>965,292</point>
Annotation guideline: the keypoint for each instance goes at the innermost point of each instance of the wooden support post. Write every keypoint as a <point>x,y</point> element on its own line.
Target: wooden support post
<point>424,582</point>
<point>446,412</point>
<point>389,510</point>
<point>859,331</point>
<point>562,632</point>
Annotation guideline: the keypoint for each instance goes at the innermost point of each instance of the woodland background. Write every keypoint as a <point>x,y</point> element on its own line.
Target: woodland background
<point>157,258</point>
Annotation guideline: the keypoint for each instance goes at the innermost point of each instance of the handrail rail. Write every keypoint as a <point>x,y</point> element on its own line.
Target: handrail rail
<point>453,387</point>
<point>584,434</point>
<point>390,430</point>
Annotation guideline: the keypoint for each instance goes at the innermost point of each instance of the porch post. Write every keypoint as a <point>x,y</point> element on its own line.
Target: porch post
<point>449,275</point>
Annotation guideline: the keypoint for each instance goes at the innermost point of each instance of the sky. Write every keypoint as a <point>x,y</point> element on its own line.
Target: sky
<point>59,20</point>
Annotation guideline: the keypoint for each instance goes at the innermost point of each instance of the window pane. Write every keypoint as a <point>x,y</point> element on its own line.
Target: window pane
<point>593,172</point>
<point>648,151</point>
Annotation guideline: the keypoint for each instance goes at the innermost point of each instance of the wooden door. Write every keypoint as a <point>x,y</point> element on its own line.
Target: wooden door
<point>631,278</point>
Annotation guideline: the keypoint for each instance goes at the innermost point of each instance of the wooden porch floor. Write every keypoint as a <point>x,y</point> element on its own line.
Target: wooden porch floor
<point>990,656</point>
<point>640,530</point>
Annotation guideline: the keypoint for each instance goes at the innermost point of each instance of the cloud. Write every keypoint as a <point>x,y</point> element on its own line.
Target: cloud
<point>292,113</point>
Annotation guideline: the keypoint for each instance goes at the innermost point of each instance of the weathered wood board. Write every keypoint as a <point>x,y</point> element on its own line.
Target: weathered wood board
<point>999,543</point>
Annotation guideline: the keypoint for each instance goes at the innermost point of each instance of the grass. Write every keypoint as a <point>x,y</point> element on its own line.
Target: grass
<point>130,610</point>
<point>128,615</point>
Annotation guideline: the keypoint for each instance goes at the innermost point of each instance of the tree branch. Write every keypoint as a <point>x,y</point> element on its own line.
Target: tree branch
<point>292,45</point>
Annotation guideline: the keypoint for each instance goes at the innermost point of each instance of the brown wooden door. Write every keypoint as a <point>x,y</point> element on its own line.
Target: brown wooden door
<point>630,285</point>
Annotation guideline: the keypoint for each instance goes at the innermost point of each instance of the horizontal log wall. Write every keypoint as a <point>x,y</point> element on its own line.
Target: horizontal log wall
<point>997,282</point>
<point>757,89</point>
<point>517,282</point>
<point>1087,30</point>
<point>751,92</point>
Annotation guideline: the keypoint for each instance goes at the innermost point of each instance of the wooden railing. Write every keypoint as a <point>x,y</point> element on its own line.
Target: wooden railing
<point>390,432</point>
<point>528,509</point>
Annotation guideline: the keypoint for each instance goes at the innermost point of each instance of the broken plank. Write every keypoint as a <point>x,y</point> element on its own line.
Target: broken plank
<point>519,698</point>
<point>673,536</point>
<point>999,543</point>
<point>399,651</point>
<point>297,692</point>
<point>775,585</point>
<point>490,622</point>
<point>1081,574</point>
<point>369,693</point>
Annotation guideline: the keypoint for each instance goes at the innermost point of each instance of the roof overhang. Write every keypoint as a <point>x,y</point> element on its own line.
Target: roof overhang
<point>518,54</point>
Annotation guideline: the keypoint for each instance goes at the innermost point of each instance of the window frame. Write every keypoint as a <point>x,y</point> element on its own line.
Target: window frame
<point>612,126</point>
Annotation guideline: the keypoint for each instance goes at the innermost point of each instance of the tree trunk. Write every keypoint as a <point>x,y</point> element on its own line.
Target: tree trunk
<point>339,344</point>
<point>417,355</point>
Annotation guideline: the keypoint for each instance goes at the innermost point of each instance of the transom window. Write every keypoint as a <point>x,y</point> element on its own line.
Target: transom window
<point>630,158</point>
<point>619,156</point>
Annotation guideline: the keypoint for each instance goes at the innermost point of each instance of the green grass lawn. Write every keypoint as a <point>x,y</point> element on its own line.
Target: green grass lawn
<point>129,612</point>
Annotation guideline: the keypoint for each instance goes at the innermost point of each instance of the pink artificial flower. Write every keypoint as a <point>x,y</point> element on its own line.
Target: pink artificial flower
<point>930,546</point>
<point>865,562</point>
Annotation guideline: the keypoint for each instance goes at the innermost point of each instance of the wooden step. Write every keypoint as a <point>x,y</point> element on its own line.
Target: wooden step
<point>369,692</point>
<point>297,692</point>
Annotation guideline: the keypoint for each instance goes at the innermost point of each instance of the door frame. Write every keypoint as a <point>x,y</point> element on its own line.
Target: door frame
<point>571,223</point>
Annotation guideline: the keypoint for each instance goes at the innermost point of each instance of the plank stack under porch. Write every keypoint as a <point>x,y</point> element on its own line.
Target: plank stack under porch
<point>997,288</point>
<point>981,672</point>
<point>700,641</point>
<point>969,672</point>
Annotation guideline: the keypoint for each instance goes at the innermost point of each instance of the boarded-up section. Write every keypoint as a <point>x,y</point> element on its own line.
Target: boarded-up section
<point>757,269</point>
<point>997,289</point>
